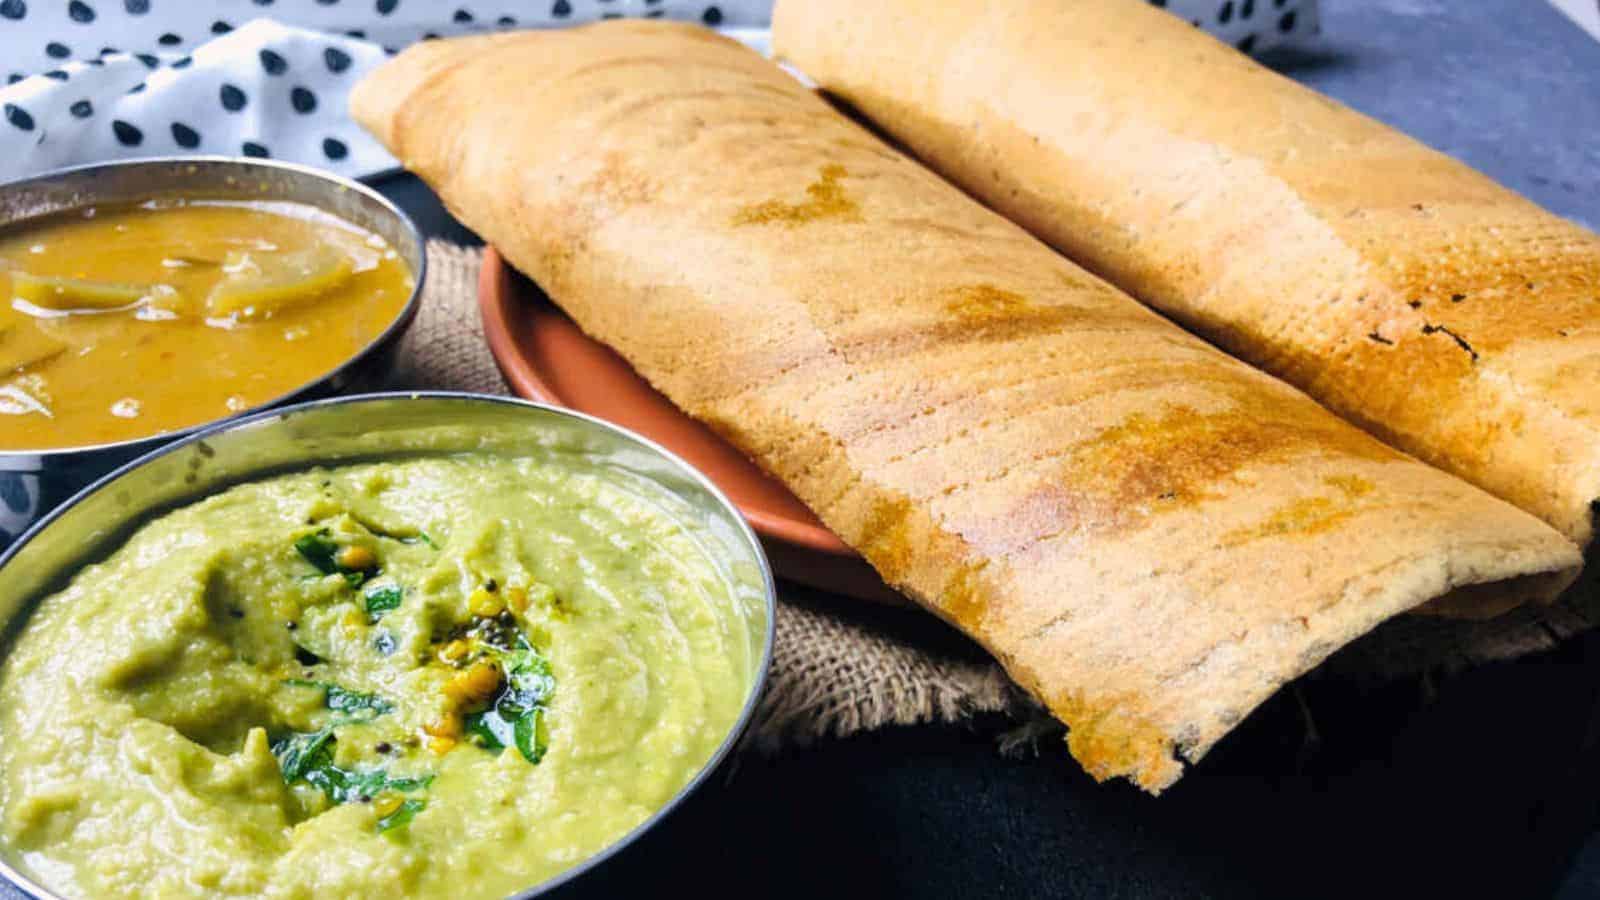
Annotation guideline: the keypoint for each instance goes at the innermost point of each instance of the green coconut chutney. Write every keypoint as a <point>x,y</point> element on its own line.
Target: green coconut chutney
<point>452,676</point>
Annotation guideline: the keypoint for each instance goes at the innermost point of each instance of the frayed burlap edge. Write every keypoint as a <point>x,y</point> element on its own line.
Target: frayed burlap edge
<point>834,675</point>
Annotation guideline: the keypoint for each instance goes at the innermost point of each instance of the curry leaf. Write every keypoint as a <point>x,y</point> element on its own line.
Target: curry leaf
<point>308,758</point>
<point>402,815</point>
<point>512,720</point>
<point>298,753</point>
<point>485,731</point>
<point>527,735</point>
<point>318,549</point>
<point>420,538</point>
<point>354,704</point>
<point>409,784</point>
<point>381,599</point>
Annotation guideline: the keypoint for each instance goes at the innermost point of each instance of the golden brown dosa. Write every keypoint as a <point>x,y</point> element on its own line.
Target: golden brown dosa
<point>1151,536</point>
<point>1414,296</point>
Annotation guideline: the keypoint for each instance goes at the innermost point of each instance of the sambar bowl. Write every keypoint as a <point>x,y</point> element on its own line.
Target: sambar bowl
<point>34,481</point>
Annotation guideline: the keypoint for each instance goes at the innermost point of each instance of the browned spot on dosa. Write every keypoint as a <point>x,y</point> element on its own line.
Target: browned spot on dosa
<point>1147,466</point>
<point>970,314</point>
<point>963,599</point>
<point>825,199</point>
<point>980,304</point>
<point>885,540</point>
<point>1308,515</point>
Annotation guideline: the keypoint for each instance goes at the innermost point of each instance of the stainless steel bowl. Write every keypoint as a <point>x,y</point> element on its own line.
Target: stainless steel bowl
<point>364,428</point>
<point>34,481</point>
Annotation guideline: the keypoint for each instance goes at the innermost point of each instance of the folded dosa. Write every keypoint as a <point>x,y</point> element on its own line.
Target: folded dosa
<point>1405,291</point>
<point>1150,535</point>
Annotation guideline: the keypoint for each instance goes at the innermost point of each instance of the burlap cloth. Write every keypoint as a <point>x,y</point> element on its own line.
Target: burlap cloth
<point>843,666</point>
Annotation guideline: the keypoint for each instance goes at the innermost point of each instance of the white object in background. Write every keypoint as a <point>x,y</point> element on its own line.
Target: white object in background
<point>1250,25</point>
<point>261,90</point>
<point>1585,12</point>
<point>39,35</point>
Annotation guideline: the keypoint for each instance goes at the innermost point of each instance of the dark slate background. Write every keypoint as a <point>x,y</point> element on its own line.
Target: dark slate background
<point>1483,784</point>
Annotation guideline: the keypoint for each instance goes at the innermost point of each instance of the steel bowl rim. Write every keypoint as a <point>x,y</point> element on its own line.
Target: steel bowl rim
<point>398,324</point>
<point>730,740</point>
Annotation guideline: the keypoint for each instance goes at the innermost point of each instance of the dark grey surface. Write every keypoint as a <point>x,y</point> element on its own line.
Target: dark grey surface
<point>1484,784</point>
<point>1510,86</point>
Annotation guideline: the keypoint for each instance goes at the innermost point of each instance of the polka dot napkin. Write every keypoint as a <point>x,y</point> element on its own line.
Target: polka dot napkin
<point>262,90</point>
<point>92,80</point>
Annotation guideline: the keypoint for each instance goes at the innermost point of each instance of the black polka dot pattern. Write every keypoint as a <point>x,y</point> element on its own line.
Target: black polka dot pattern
<point>334,149</point>
<point>128,135</point>
<point>57,50</point>
<point>184,136</point>
<point>80,12</point>
<point>253,149</point>
<point>712,16</point>
<point>18,117</point>
<point>83,109</point>
<point>1235,21</point>
<point>13,9</point>
<point>136,7</point>
<point>385,7</point>
<point>303,101</point>
<point>233,99</point>
<point>273,63</point>
<point>335,59</point>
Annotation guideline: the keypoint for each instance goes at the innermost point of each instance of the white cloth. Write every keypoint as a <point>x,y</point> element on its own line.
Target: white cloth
<point>95,80</point>
<point>39,35</point>
<point>262,90</point>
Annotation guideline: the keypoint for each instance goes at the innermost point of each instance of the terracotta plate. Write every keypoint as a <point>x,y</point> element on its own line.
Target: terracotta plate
<point>545,357</point>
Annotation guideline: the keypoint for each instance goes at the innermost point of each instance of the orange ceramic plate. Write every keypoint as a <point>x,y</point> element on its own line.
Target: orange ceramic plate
<point>545,357</point>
